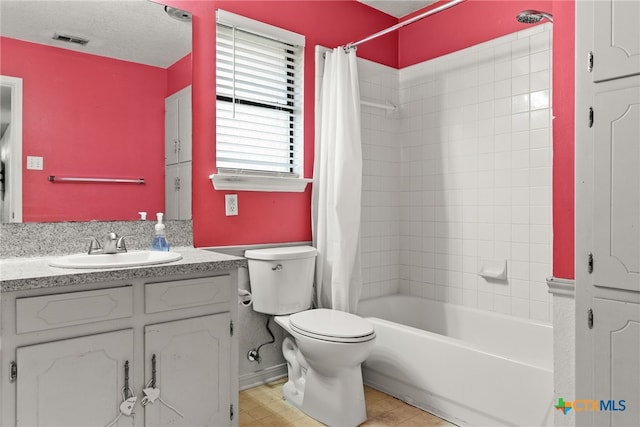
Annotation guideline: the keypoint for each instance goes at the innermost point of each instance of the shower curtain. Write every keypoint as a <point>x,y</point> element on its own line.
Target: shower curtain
<point>337,184</point>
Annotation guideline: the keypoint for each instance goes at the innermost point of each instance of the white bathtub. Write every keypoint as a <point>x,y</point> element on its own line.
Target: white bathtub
<point>471,367</point>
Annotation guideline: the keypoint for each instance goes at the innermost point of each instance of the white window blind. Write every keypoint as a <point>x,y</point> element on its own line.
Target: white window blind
<point>258,103</point>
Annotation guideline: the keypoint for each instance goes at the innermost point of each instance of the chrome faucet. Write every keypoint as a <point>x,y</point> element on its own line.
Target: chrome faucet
<point>112,245</point>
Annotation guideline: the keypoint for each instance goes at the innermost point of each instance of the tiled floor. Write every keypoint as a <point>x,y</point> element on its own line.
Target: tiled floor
<point>264,406</point>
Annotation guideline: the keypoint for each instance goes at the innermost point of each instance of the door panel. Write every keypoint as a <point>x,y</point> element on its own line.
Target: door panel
<point>73,382</point>
<point>616,348</point>
<point>192,371</point>
<point>617,189</point>
<point>616,40</point>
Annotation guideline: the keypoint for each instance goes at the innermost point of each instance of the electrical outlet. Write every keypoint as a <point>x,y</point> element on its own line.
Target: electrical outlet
<point>231,204</point>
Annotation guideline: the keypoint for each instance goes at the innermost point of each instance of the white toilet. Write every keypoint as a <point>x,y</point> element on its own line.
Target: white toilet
<point>325,377</point>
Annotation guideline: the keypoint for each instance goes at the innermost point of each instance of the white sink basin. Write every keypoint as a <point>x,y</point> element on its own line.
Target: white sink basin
<point>126,259</point>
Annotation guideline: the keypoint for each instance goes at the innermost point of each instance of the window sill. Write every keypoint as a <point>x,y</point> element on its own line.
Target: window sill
<point>258,183</point>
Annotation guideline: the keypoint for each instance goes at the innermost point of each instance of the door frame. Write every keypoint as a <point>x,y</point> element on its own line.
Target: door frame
<point>14,158</point>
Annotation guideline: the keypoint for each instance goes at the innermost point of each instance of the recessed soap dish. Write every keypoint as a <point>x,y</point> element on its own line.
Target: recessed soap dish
<point>495,269</point>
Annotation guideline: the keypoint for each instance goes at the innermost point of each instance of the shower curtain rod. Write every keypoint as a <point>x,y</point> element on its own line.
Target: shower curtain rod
<point>403,23</point>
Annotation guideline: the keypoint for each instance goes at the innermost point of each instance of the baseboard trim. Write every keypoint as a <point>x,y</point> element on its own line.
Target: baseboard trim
<point>564,287</point>
<point>264,376</point>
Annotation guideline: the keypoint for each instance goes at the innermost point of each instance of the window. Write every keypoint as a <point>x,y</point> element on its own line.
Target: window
<point>258,99</point>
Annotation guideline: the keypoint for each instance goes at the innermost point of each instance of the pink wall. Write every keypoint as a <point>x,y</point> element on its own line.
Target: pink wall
<point>88,116</point>
<point>281,217</point>
<point>563,138</point>
<point>179,75</point>
<point>476,21</point>
<point>267,217</point>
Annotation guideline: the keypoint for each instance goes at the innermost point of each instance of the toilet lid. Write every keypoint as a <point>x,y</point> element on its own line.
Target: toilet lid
<point>332,325</point>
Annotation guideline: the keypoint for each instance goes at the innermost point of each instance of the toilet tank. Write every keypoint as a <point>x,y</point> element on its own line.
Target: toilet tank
<point>281,278</point>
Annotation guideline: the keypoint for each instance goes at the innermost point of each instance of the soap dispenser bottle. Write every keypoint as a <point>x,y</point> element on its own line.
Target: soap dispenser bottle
<point>159,242</point>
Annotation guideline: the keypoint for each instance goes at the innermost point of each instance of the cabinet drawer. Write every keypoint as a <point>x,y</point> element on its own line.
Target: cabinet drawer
<point>73,308</point>
<point>164,296</point>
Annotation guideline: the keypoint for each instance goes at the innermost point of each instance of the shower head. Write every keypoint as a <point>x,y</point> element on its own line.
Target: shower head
<point>533,17</point>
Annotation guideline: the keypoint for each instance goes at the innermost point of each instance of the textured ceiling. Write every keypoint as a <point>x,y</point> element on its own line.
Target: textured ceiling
<point>131,30</point>
<point>397,8</point>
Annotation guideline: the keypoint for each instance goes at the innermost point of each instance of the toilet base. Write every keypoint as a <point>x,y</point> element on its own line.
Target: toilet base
<point>292,395</point>
<point>332,393</point>
<point>335,401</point>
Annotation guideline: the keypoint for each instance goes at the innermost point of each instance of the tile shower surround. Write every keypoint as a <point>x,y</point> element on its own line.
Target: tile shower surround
<point>460,173</point>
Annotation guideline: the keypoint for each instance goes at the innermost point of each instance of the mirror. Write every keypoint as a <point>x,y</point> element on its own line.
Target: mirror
<point>93,110</point>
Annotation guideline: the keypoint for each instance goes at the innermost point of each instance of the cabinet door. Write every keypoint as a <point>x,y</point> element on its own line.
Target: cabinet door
<point>73,382</point>
<point>177,191</point>
<point>616,39</point>
<point>616,213</point>
<point>171,192</point>
<point>177,127</point>
<point>184,195</point>
<point>616,352</point>
<point>184,125</point>
<point>171,137</point>
<point>192,371</point>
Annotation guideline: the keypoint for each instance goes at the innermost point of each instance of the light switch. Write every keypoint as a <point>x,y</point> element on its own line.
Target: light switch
<point>35,163</point>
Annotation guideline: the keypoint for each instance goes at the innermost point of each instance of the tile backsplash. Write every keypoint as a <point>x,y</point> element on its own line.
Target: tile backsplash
<point>63,238</point>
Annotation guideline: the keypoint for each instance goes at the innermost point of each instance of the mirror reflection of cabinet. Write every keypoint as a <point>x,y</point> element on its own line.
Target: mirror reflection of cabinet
<point>177,146</point>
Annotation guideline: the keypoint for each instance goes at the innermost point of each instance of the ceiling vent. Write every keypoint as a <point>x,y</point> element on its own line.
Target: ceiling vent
<point>70,39</point>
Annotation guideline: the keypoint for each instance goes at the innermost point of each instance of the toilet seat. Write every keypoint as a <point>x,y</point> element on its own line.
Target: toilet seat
<point>332,325</point>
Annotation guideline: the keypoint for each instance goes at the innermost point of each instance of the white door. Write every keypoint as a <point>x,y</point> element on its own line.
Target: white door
<point>608,213</point>
<point>616,335</point>
<point>616,39</point>
<point>11,150</point>
<point>192,362</point>
<point>74,382</point>
<point>616,192</point>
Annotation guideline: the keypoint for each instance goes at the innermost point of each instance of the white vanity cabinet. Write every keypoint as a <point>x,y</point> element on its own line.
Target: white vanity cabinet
<point>71,355</point>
